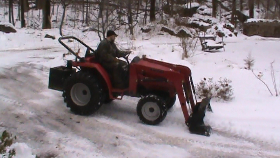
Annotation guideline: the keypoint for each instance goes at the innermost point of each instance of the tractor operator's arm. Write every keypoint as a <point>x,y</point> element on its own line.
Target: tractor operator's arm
<point>121,53</point>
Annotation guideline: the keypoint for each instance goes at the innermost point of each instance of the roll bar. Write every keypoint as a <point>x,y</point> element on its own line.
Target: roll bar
<point>68,48</point>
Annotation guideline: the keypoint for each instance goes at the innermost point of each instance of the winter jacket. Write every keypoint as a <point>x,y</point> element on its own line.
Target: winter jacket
<point>107,52</point>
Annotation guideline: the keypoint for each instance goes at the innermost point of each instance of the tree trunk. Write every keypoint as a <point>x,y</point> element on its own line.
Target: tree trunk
<point>168,6</point>
<point>62,20</point>
<point>10,3</point>
<point>241,5</point>
<point>145,15</point>
<point>22,14</point>
<point>268,5</point>
<point>53,8</point>
<point>87,6</point>
<point>129,18</point>
<point>47,15</point>
<point>214,9</point>
<point>233,11</point>
<point>107,16</point>
<point>152,10</point>
<point>101,6</point>
<point>11,12</point>
<point>83,10</point>
<point>19,10</point>
<point>251,8</point>
<point>171,10</point>
<point>56,13</point>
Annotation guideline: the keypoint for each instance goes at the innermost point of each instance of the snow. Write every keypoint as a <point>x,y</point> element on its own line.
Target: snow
<point>192,5</point>
<point>249,124</point>
<point>246,126</point>
<point>7,24</point>
<point>261,20</point>
<point>219,27</point>
<point>22,150</point>
<point>212,43</point>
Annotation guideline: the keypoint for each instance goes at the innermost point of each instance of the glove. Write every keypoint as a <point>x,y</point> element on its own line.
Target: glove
<point>126,53</point>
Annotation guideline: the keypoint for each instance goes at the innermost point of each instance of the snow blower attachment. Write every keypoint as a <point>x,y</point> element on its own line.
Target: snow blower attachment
<point>85,86</point>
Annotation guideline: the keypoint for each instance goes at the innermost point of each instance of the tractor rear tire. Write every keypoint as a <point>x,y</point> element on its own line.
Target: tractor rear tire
<point>83,93</point>
<point>151,110</point>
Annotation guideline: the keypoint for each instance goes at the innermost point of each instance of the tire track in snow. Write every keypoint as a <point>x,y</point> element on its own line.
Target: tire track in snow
<point>122,120</point>
<point>120,115</point>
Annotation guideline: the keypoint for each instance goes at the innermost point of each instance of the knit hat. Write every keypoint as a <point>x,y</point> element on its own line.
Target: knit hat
<point>110,33</point>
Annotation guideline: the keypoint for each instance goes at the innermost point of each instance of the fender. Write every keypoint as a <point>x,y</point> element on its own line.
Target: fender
<point>99,69</point>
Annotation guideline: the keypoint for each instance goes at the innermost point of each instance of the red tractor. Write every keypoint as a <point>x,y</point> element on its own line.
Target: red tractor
<point>86,86</point>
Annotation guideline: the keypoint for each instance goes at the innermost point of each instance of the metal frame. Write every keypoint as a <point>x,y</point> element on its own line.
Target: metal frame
<point>69,49</point>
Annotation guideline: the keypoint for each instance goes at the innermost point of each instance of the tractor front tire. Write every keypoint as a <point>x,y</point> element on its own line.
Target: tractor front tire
<point>170,101</point>
<point>151,109</point>
<point>83,93</point>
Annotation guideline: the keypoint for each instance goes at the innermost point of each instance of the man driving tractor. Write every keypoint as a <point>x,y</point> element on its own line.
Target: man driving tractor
<point>107,54</point>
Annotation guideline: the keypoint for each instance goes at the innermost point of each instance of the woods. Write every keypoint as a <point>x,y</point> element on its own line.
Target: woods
<point>101,15</point>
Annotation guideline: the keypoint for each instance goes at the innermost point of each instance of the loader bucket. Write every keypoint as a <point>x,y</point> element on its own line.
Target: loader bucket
<point>195,121</point>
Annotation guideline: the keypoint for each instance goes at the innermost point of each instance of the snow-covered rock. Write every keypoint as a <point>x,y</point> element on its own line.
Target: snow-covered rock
<point>7,28</point>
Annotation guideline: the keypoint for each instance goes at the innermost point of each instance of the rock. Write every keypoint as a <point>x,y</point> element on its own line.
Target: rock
<point>7,28</point>
<point>220,34</point>
<point>241,17</point>
<point>262,28</point>
<point>49,36</point>
<point>229,27</point>
<point>180,33</point>
<point>183,33</point>
<point>146,30</point>
<point>167,30</point>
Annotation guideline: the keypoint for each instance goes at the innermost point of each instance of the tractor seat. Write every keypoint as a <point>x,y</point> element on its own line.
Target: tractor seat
<point>136,59</point>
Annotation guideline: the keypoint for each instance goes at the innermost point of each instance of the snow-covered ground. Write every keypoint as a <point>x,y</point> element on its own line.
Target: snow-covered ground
<point>247,126</point>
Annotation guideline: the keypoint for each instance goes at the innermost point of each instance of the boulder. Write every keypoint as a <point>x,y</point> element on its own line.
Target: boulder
<point>7,28</point>
<point>180,33</point>
<point>264,28</point>
<point>49,36</point>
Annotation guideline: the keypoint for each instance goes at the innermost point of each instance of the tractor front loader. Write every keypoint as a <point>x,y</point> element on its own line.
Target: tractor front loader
<point>86,85</point>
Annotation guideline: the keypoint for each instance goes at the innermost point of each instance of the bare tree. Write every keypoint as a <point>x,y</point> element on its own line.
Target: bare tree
<point>214,9</point>
<point>18,10</point>
<point>47,15</point>
<point>251,8</point>
<point>132,15</point>
<point>259,77</point>
<point>273,79</point>
<point>87,11</point>
<point>64,4</point>
<point>22,19</point>
<point>241,5</point>
<point>172,7</point>
<point>11,12</point>
<point>233,13</point>
<point>268,5</point>
<point>152,10</point>
<point>129,17</point>
<point>145,15</point>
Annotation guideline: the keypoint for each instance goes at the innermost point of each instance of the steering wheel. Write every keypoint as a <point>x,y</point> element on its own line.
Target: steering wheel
<point>126,58</point>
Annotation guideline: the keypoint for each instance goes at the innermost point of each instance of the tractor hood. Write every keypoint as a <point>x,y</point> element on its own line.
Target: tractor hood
<point>160,66</point>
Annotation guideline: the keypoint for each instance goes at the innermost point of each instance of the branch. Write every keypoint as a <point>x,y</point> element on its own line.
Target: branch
<point>273,79</point>
<point>262,82</point>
